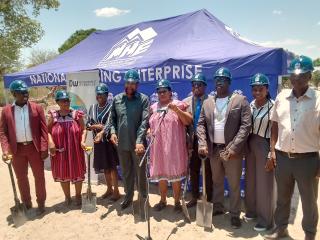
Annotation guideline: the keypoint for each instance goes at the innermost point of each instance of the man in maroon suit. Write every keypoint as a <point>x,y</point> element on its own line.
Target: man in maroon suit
<point>24,135</point>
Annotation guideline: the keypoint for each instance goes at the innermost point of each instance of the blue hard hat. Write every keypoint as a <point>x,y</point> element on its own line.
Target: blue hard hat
<point>223,72</point>
<point>61,95</point>
<point>199,77</point>
<point>18,86</point>
<point>102,88</point>
<point>301,64</point>
<point>259,79</point>
<point>132,76</point>
<point>163,83</point>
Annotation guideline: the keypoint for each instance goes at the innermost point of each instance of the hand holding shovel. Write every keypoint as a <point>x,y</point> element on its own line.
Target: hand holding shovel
<point>18,211</point>
<point>89,199</point>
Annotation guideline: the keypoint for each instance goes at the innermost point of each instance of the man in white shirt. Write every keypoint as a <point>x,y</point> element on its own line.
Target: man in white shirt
<point>24,135</point>
<point>295,146</point>
<point>223,128</point>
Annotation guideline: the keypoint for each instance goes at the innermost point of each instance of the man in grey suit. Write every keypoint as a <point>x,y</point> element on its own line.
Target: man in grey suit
<point>195,102</point>
<point>223,128</point>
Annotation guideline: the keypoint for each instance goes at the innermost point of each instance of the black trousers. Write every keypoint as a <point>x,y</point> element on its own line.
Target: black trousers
<point>195,165</point>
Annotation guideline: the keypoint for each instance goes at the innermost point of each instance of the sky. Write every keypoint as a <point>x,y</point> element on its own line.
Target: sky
<point>293,25</point>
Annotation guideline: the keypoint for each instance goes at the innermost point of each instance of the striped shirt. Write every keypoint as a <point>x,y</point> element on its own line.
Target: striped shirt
<point>261,118</point>
<point>99,115</point>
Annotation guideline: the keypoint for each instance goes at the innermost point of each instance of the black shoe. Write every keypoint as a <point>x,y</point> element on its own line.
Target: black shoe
<point>277,234</point>
<point>260,228</point>
<point>192,203</point>
<point>235,222</point>
<point>41,209</point>
<point>249,217</point>
<point>309,236</point>
<point>125,203</point>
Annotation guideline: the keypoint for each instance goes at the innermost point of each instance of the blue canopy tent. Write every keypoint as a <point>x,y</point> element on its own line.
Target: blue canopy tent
<point>174,48</point>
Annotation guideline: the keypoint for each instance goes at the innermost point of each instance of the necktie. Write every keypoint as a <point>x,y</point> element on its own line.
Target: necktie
<point>197,113</point>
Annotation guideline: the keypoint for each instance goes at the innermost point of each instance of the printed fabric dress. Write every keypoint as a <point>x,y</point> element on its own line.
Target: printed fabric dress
<point>168,154</point>
<point>68,165</point>
<point>105,153</point>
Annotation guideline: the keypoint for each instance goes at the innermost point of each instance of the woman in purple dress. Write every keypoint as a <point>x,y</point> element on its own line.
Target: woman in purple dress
<point>169,150</point>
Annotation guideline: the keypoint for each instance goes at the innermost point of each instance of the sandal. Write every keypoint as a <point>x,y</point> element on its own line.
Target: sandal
<point>78,201</point>
<point>67,201</point>
<point>177,207</point>
<point>159,206</point>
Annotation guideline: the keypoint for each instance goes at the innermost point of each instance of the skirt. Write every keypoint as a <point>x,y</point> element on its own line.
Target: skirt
<point>105,157</point>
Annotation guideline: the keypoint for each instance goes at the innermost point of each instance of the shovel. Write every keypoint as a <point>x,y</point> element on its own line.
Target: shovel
<point>138,208</point>
<point>204,208</point>
<point>89,199</point>
<point>18,212</point>
<point>184,205</point>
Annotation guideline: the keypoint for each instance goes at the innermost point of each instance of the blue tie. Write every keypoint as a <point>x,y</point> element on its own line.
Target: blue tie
<point>197,113</point>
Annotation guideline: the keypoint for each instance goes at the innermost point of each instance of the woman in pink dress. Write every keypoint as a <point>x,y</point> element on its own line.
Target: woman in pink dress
<point>67,136</point>
<point>169,151</point>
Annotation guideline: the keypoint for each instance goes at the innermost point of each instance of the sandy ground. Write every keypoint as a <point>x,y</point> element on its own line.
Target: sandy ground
<point>109,222</point>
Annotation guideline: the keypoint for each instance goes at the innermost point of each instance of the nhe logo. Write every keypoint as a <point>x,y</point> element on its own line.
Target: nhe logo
<point>129,49</point>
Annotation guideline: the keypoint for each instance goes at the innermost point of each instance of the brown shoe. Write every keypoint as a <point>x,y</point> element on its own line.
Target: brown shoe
<point>115,196</point>
<point>28,205</point>
<point>192,203</point>
<point>277,234</point>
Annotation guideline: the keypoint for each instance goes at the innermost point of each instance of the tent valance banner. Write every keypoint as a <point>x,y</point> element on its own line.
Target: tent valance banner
<point>174,48</point>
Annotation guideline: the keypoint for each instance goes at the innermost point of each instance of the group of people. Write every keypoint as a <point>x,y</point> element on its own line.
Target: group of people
<point>279,139</point>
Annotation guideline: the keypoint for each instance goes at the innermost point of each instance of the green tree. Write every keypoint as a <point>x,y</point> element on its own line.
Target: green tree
<point>316,78</point>
<point>75,38</point>
<point>39,56</point>
<point>316,62</point>
<point>19,29</point>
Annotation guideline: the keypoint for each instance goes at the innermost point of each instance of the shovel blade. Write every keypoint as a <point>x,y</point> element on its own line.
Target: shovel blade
<point>89,203</point>
<point>204,214</point>
<point>185,211</point>
<point>18,214</point>
<point>139,210</point>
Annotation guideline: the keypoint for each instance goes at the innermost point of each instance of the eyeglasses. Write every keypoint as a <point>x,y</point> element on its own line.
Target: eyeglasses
<point>162,91</point>
<point>197,84</point>
<point>222,80</point>
<point>22,92</point>
<point>64,100</point>
<point>101,94</point>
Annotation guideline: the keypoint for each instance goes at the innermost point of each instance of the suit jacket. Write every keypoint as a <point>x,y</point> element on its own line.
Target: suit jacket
<point>38,127</point>
<point>237,126</point>
<point>190,129</point>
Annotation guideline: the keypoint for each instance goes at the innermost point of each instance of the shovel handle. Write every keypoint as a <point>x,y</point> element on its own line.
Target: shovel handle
<point>16,199</point>
<point>89,174</point>
<point>203,167</point>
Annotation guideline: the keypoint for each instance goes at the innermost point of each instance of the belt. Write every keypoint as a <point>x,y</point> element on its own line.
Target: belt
<point>24,143</point>
<point>298,155</point>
